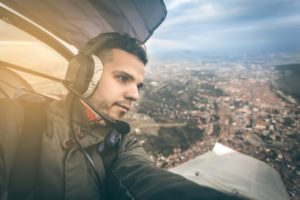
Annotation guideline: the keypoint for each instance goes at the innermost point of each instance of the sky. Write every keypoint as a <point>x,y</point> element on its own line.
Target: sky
<point>229,26</point>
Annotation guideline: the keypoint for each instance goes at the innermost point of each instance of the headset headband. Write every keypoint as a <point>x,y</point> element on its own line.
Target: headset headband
<point>94,44</point>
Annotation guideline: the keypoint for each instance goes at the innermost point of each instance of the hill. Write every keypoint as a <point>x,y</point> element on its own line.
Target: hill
<point>289,79</point>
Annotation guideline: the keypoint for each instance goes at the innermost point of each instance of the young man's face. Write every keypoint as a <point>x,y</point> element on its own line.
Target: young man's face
<point>123,75</point>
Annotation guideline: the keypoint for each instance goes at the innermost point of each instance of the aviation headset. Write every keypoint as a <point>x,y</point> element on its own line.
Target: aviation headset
<point>85,69</point>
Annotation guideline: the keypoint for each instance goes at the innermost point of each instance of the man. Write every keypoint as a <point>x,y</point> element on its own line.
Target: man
<point>85,152</point>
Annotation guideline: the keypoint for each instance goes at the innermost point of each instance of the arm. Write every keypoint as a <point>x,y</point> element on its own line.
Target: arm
<point>134,176</point>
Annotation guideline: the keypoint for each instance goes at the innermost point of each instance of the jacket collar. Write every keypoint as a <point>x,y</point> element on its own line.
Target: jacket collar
<point>83,118</point>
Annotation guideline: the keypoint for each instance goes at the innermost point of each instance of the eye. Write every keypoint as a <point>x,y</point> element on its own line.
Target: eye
<point>140,86</point>
<point>122,78</point>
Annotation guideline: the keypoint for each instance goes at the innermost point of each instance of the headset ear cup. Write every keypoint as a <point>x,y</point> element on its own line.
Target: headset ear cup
<point>85,69</point>
<point>80,72</point>
<point>97,74</point>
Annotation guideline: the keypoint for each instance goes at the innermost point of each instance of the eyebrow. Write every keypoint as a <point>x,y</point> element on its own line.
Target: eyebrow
<point>123,73</point>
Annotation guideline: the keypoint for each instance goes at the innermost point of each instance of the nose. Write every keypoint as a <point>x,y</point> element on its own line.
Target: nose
<point>132,93</point>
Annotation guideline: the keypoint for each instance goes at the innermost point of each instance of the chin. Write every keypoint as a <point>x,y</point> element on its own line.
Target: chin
<point>116,116</point>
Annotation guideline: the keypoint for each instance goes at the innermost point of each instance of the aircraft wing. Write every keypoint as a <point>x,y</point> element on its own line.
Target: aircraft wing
<point>231,172</point>
<point>77,21</point>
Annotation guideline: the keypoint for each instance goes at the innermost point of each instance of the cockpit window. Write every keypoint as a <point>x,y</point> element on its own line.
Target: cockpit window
<point>20,48</point>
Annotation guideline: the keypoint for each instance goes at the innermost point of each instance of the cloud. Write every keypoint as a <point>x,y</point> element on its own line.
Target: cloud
<point>194,13</point>
<point>229,24</point>
<point>164,45</point>
<point>175,4</point>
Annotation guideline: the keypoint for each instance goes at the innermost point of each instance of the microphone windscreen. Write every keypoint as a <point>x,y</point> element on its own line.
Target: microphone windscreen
<point>122,127</point>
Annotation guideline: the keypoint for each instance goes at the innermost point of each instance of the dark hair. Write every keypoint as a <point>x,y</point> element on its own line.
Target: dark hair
<point>121,41</point>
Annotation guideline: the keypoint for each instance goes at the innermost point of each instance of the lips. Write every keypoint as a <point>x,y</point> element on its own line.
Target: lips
<point>124,106</point>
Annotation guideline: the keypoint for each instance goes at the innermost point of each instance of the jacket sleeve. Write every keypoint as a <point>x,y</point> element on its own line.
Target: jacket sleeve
<point>134,176</point>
